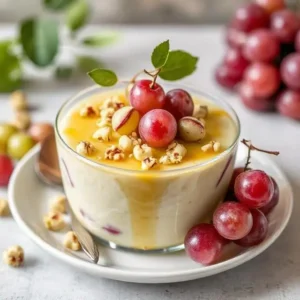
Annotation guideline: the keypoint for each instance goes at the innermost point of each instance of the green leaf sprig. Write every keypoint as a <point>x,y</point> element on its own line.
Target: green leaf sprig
<point>169,65</point>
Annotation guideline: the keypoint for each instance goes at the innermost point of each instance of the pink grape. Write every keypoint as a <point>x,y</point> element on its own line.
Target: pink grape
<point>271,5</point>
<point>258,231</point>
<point>254,188</point>
<point>249,17</point>
<point>235,38</point>
<point>232,220</point>
<point>264,78</point>
<point>261,45</point>
<point>227,77</point>
<point>144,98</point>
<point>234,60</point>
<point>285,24</point>
<point>6,169</point>
<point>297,41</point>
<point>203,244</point>
<point>179,103</point>
<point>288,104</point>
<point>290,71</point>
<point>158,128</point>
<point>266,209</point>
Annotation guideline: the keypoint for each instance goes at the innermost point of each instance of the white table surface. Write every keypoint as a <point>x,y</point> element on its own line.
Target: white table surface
<point>275,274</point>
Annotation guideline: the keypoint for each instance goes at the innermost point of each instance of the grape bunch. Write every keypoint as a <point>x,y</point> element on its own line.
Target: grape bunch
<point>241,218</point>
<point>262,62</point>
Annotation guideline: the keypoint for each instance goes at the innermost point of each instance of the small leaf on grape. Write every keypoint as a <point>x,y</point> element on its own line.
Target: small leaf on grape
<point>87,63</point>
<point>179,65</point>
<point>57,5</point>
<point>39,40</point>
<point>103,77</point>
<point>63,72</point>
<point>100,39</point>
<point>160,54</point>
<point>77,14</point>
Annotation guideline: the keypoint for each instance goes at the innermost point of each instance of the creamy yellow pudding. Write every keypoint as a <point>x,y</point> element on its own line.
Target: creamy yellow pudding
<point>127,205</point>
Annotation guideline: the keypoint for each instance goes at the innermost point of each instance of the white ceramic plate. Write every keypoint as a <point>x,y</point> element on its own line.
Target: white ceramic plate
<point>29,201</point>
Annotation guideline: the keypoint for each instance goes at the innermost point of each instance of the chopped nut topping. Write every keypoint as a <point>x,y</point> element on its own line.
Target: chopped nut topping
<point>54,221</point>
<point>22,120</point>
<point>140,152</point>
<point>135,139</point>
<point>14,256</point>
<point>71,241</point>
<point>200,111</point>
<point>59,205</point>
<point>176,148</point>
<point>88,111</point>
<point>4,208</point>
<point>126,143</point>
<point>103,122</point>
<point>148,163</point>
<point>114,153</point>
<point>85,148</point>
<point>18,101</point>
<point>113,102</point>
<point>103,134</point>
<point>207,147</point>
<point>107,113</point>
<point>215,146</point>
<point>165,160</point>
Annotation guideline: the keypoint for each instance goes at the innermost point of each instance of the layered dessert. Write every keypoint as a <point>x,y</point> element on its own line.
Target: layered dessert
<point>140,177</point>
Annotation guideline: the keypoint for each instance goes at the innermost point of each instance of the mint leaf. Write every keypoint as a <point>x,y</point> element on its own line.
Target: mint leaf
<point>87,63</point>
<point>10,66</point>
<point>179,64</point>
<point>101,39</point>
<point>77,14</point>
<point>63,72</point>
<point>160,54</point>
<point>57,5</point>
<point>103,77</point>
<point>39,40</point>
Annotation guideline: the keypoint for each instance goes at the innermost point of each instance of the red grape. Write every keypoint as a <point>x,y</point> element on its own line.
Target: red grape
<point>6,169</point>
<point>288,104</point>
<point>158,128</point>
<point>261,45</point>
<point>274,201</point>
<point>235,60</point>
<point>258,231</point>
<point>264,78</point>
<point>271,5</point>
<point>144,98</point>
<point>249,17</point>
<point>290,71</point>
<point>203,244</point>
<point>179,103</point>
<point>254,188</point>
<point>252,102</point>
<point>235,38</point>
<point>297,41</point>
<point>236,173</point>
<point>285,24</point>
<point>232,220</point>
<point>227,77</point>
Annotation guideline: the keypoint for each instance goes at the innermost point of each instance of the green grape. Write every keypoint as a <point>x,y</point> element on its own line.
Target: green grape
<point>19,144</point>
<point>6,131</point>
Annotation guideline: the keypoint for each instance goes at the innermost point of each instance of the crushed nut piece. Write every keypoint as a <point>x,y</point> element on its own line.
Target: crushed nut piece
<point>216,146</point>
<point>107,113</point>
<point>18,101</point>
<point>165,160</point>
<point>140,152</point>
<point>212,145</point>
<point>207,147</point>
<point>54,221</point>
<point>114,153</point>
<point>148,163</point>
<point>113,102</point>
<point>14,256</point>
<point>126,143</point>
<point>85,148</point>
<point>59,205</point>
<point>22,120</point>
<point>88,111</point>
<point>71,241</point>
<point>4,208</point>
<point>176,148</point>
<point>103,122</point>
<point>200,111</point>
<point>135,139</point>
<point>103,134</point>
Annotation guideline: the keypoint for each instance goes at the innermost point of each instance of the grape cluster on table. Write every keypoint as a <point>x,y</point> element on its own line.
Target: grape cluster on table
<point>262,62</point>
<point>241,218</point>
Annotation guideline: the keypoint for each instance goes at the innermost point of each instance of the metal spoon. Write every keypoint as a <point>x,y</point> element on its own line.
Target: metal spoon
<point>47,169</point>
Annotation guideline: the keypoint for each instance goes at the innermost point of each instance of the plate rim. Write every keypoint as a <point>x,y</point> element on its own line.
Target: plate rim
<point>145,276</point>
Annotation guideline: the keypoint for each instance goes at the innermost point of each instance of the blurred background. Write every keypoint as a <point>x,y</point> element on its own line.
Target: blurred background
<point>136,11</point>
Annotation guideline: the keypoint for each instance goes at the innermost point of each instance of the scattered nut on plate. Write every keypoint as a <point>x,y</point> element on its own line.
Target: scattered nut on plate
<point>71,241</point>
<point>54,221</point>
<point>18,101</point>
<point>14,256</point>
<point>4,208</point>
<point>59,204</point>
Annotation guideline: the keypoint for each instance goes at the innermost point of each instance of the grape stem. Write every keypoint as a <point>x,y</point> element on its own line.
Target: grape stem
<point>133,79</point>
<point>154,75</point>
<point>250,147</point>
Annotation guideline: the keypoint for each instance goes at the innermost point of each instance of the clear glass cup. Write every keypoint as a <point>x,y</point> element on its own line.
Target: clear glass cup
<point>138,210</point>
